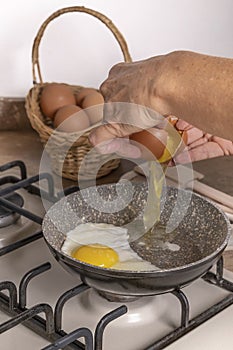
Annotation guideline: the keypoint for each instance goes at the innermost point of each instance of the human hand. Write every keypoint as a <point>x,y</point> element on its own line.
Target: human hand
<point>115,138</point>
<point>157,84</point>
<point>158,142</point>
<point>201,145</point>
<point>137,82</point>
<point>131,93</point>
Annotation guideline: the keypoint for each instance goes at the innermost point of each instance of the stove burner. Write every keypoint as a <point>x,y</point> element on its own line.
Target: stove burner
<point>117,297</point>
<point>7,216</point>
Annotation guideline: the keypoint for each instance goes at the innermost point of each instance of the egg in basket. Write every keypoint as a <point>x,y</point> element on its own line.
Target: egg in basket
<point>49,104</point>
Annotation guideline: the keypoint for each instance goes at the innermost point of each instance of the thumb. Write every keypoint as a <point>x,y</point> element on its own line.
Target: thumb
<point>111,131</point>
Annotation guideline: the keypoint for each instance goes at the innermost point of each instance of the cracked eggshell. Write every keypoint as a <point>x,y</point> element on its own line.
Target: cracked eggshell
<point>150,140</point>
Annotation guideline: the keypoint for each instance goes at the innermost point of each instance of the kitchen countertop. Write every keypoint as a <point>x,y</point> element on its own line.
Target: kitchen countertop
<point>25,145</point>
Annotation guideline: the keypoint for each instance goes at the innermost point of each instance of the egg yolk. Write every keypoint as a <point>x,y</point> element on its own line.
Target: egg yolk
<point>96,254</point>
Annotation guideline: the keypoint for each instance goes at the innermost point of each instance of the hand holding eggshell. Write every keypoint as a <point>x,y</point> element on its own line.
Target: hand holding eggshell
<point>151,142</point>
<point>164,144</point>
<point>201,145</point>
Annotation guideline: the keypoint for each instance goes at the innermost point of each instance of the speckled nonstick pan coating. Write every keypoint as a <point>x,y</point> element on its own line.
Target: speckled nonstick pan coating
<point>202,236</point>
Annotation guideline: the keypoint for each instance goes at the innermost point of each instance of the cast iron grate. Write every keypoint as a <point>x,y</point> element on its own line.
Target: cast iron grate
<point>50,326</point>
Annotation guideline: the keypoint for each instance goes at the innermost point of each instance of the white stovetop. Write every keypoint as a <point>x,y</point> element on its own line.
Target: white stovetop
<point>161,313</point>
<point>215,333</point>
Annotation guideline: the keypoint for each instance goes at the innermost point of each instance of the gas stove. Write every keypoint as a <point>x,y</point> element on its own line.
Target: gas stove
<point>44,307</point>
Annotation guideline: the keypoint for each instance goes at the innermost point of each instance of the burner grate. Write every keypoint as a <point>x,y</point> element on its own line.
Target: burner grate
<point>9,217</point>
<point>50,327</point>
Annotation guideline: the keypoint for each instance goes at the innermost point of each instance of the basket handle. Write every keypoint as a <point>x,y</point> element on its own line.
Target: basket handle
<point>100,16</point>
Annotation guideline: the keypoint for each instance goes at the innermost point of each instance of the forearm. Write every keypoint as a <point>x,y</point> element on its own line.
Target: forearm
<point>198,89</point>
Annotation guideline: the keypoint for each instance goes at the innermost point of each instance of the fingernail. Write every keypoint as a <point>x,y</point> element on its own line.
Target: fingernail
<point>111,147</point>
<point>106,148</point>
<point>135,153</point>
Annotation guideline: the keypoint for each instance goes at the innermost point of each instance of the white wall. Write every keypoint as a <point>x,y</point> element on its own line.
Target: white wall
<point>77,48</point>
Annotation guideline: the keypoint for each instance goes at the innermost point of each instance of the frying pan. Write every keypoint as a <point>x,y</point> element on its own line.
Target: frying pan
<point>202,235</point>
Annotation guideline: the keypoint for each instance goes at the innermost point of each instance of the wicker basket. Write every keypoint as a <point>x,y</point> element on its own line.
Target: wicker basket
<point>67,167</point>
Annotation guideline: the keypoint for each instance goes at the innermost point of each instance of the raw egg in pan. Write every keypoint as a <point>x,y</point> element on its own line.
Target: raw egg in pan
<point>104,245</point>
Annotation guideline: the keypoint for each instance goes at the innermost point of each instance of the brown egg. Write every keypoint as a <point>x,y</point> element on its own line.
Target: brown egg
<point>74,118</point>
<point>82,94</point>
<point>95,114</point>
<point>152,140</point>
<point>163,144</point>
<point>55,96</point>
